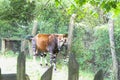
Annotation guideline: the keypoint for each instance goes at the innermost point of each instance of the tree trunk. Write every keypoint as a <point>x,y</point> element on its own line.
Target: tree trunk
<point>23,45</point>
<point>34,30</point>
<point>70,32</point>
<point>112,46</point>
<point>3,46</point>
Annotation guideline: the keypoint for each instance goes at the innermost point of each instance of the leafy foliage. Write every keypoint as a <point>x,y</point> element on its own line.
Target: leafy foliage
<point>18,11</point>
<point>104,4</point>
<point>52,18</point>
<point>15,17</point>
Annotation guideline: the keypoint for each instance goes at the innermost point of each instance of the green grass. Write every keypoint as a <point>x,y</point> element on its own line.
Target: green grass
<point>86,75</point>
<point>9,54</point>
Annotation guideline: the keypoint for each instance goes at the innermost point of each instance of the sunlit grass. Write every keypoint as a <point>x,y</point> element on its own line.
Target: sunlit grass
<point>8,54</point>
<point>86,75</point>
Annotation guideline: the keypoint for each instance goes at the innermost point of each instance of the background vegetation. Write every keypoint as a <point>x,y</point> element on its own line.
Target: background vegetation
<point>91,39</point>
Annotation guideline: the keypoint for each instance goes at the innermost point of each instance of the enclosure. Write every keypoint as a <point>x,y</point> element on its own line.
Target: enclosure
<point>93,28</point>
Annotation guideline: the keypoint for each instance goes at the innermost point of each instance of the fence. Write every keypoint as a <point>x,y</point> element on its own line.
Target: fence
<point>11,44</point>
<point>20,70</point>
<point>73,70</point>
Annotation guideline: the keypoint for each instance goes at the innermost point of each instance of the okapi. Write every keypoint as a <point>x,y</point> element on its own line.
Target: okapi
<point>51,43</point>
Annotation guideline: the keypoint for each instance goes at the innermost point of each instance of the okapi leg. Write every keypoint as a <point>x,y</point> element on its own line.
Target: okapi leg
<point>41,58</point>
<point>53,60</point>
<point>45,59</point>
<point>51,54</point>
<point>34,58</point>
<point>43,55</point>
<point>35,51</point>
<point>34,55</point>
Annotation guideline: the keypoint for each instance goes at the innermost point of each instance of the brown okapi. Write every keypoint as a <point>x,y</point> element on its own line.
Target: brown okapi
<point>51,43</point>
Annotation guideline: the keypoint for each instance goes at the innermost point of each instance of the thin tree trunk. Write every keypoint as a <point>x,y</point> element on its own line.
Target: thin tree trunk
<point>34,30</point>
<point>23,44</point>
<point>3,46</point>
<point>70,32</point>
<point>112,46</point>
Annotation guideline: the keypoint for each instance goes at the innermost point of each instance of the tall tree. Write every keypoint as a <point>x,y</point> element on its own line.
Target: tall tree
<point>18,12</point>
<point>113,52</point>
<point>15,15</point>
<point>70,33</point>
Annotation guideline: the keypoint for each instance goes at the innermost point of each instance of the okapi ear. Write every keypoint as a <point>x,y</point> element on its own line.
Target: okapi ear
<point>65,35</point>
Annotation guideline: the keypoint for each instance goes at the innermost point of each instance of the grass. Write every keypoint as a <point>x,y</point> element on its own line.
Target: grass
<point>34,70</point>
<point>86,75</point>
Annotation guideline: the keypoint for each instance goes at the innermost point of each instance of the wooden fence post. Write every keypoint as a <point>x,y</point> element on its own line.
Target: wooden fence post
<point>73,68</point>
<point>20,70</point>
<point>48,74</point>
<point>12,77</point>
<point>0,74</point>
<point>21,66</point>
<point>99,75</point>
